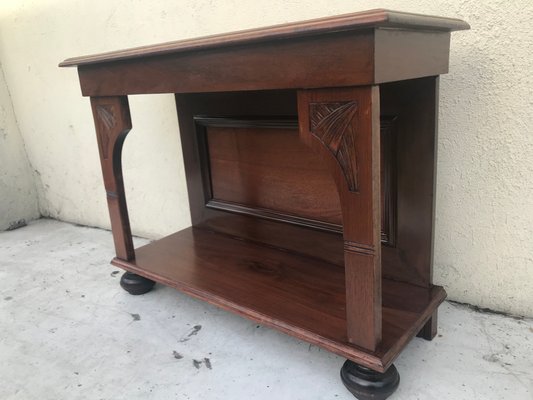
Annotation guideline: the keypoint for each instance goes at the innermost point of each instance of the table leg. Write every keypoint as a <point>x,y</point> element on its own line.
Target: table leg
<point>429,330</point>
<point>112,121</point>
<point>342,126</point>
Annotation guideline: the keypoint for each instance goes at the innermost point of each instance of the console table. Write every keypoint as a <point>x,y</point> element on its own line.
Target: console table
<point>309,152</point>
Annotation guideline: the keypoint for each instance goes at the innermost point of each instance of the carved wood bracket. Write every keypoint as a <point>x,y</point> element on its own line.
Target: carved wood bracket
<point>107,121</point>
<point>333,124</point>
<point>112,121</point>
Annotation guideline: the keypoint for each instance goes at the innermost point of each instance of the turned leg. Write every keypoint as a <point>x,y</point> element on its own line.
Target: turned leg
<point>366,384</point>
<point>429,330</point>
<point>136,284</point>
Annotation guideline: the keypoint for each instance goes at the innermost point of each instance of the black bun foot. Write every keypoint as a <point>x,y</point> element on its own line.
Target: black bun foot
<point>366,384</point>
<point>136,284</point>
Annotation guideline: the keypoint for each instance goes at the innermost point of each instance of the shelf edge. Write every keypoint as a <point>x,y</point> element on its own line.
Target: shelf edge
<point>353,353</point>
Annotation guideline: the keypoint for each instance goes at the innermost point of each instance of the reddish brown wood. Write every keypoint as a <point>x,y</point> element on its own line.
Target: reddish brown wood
<point>244,105</point>
<point>112,121</point>
<point>389,191</point>
<point>317,243</point>
<point>271,169</point>
<point>414,104</point>
<point>359,20</point>
<point>248,106</point>
<point>342,126</point>
<point>299,63</point>
<point>360,57</point>
<point>266,213</point>
<point>298,295</point>
<point>429,331</point>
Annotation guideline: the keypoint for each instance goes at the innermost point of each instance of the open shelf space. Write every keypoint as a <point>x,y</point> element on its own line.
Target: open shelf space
<point>296,294</point>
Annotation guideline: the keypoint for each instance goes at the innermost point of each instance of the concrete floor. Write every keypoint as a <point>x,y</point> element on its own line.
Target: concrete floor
<point>68,331</point>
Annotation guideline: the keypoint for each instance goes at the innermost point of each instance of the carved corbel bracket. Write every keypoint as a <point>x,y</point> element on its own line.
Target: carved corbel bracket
<point>333,124</point>
<point>107,121</point>
<point>112,121</point>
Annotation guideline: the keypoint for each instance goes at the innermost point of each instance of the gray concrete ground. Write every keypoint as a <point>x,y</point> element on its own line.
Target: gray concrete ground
<point>68,331</point>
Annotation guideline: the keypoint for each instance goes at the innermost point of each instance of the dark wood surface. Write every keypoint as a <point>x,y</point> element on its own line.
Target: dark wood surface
<point>113,122</point>
<point>402,130</point>
<point>342,128</point>
<point>354,21</point>
<point>414,103</point>
<point>355,49</point>
<point>259,167</point>
<point>406,156</point>
<point>265,241</point>
<point>195,107</point>
<point>360,57</point>
<point>298,295</point>
<point>429,331</point>
<point>300,62</point>
<point>248,106</point>
<point>271,169</point>
<point>389,173</point>
<point>366,384</point>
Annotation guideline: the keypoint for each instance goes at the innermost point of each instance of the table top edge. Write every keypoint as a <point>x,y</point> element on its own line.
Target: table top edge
<point>376,18</point>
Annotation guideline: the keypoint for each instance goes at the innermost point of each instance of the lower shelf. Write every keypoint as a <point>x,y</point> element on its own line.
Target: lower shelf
<point>301,296</point>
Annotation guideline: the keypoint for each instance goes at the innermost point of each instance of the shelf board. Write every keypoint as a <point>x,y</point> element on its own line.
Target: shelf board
<point>301,296</point>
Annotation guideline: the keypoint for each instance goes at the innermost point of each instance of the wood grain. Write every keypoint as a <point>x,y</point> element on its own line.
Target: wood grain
<point>112,122</point>
<point>294,63</point>
<point>389,186</point>
<point>353,21</point>
<point>414,103</point>
<point>300,296</point>
<point>352,116</point>
<point>271,169</point>
<point>332,124</point>
<point>265,210</point>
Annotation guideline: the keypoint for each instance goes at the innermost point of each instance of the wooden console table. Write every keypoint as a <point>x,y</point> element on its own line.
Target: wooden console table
<point>309,152</point>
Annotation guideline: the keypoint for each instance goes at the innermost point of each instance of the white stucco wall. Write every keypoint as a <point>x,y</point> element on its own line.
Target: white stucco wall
<point>18,195</point>
<point>483,251</point>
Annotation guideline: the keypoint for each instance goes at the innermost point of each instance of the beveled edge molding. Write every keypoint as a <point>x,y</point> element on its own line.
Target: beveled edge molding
<point>288,122</point>
<point>332,124</point>
<point>359,248</point>
<point>273,215</point>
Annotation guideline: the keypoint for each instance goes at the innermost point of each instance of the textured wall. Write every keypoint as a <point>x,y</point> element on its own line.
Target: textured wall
<point>18,195</point>
<point>483,251</point>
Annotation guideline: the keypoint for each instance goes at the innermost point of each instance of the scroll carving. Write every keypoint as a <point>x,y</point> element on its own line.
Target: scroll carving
<point>332,124</point>
<point>108,121</point>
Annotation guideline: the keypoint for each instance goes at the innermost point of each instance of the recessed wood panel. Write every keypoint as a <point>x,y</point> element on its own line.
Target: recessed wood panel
<point>247,110</point>
<point>270,169</point>
<point>261,168</point>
